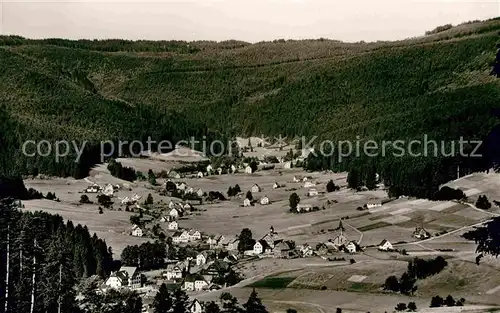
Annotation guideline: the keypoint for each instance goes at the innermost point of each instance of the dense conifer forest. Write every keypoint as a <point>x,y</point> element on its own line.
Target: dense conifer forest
<point>443,85</point>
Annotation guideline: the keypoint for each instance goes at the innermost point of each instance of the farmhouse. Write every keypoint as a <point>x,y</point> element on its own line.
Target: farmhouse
<point>174,213</point>
<point>248,170</point>
<point>264,200</point>
<point>305,250</point>
<point>127,276</point>
<point>173,225</point>
<point>385,245</point>
<point>304,207</point>
<point>180,237</point>
<point>195,307</point>
<point>194,235</point>
<point>282,250</point>
<point>174,271</point>
<point>351,247</point>
<point>201,258</point>
<point>137,231</point>
<point>95,188</point>
<point>230,243</point>
<point>255,188</point>
<point>181,186</point>
<point>308,184</point>
<point>421,233</point>
<point>195,282</point>
<point>215,241</point>
<point>372,205</point>
<point>109,190</point>
<point>260,247</point>
<point>312,192</point>
<point>199,192</point>
<point>247,202</point>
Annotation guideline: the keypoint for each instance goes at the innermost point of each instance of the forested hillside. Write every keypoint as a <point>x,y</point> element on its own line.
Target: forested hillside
<point>439,85</point>
<point>55,255</point>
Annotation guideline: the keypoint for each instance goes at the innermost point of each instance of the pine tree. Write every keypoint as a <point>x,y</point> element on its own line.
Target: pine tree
<point>212,307</point>
<point>254,304</point>
<point>162,302</point>
<point>353,179</point>
<point>180,302</point>
<point>371,178</point>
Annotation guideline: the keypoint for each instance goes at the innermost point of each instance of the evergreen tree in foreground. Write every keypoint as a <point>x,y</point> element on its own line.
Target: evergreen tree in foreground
<point>254,304</point>
<point>162,302</point>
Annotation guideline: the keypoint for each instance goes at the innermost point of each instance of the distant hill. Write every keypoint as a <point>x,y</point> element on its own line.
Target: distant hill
<point>437,84</point>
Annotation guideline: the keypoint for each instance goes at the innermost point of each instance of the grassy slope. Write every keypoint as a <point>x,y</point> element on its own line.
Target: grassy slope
<point>382,90</point>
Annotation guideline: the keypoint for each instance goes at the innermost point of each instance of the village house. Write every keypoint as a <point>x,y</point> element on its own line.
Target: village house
<point>181,186</point>
<point>233,169</point>
<point>255,188</point>
<point>312,192</point>
<point>248,170</point>
<point>308,184</point>
<point>171,204</point>
<point>194,282</point>
<point>421,233</point>
<point>95,188</point>
<point>287,165</point>
<point>247,202</point>
<point>201,258</point>
<point>200,174</point>
<point>385,245</point>
<point>109,190</point>
<point>372,205</point>
<point>304,207</point>
<point>210,169</point>
<point>194,235</point>
<point>190,190</point>
<point>276,185</point>
<point>282,250</point>
<point>181,237</point>
<point>199,192</point>
<point>173,225</point>
<point>230,243</point>
<point>125,277</point>
<point>296,179</point>
<point>219,171</point>
<point>174,213</point>
<point>264,200</point>
<point>195,307</point>
<point>188,207</point>
<point>215,241</point>
<point>305,250</point>
<point>351,247</point>
<point>137,231</point>
<point>260,247</point>
<point>174,271</point>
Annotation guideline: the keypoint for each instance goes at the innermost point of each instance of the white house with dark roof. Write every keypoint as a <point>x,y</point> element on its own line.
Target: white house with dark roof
<point>385,245</point>
<point>255,188</point>
<point>264,200</point>
<point>173,225</point>
<point>126,276</point>
<point>195,307</point>
<point>137,231</point>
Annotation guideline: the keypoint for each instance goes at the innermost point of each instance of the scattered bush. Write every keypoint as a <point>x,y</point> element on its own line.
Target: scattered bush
<point>483,203</point>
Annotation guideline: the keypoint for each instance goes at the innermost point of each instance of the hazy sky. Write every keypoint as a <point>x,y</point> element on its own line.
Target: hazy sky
<point>248,20</point>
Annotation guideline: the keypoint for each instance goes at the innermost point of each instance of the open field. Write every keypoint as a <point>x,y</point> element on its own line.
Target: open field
<point>310,284</point>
